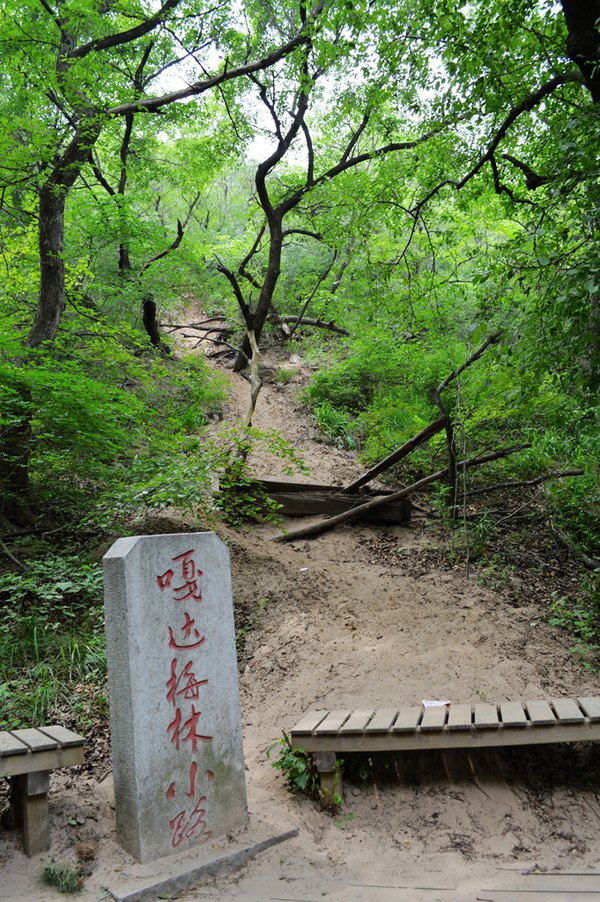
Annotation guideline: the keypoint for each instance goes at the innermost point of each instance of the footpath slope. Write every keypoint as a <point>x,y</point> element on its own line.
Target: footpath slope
<point>360,616</point>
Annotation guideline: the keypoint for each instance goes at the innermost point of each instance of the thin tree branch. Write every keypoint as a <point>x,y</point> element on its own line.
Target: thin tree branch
<point>523,483</point>
<point>245,309</point>
<point>309,299</point>
<point>526,105</point>
<point>317,323</point>
<point>153,104</point>
<point>253,250</point>
<point>307,232</point>
<point>125,37</point>
<point>176,241</point>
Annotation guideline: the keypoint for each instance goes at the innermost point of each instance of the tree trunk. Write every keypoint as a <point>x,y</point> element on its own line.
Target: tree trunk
<point>124,259</point>
<point>52,266</point>
<point>265,298</point>
<point>151,325</point>
<point>583,42</point>
<point>16,438</point>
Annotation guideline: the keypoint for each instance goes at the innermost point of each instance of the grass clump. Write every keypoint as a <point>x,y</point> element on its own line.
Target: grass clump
<point>62,876</point>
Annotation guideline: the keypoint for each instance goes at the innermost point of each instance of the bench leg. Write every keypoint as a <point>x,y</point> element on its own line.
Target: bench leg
<point>330,779</point>
<point>29,801</point>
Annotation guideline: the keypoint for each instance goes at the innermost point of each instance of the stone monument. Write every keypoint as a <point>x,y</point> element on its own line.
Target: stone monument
<point>174,704</point>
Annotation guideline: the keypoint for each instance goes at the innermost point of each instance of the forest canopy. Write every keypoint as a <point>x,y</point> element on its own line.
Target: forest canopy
<point>384,185</point>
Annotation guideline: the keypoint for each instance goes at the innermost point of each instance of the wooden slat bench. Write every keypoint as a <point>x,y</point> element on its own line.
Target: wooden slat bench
<point>27,757</point>
<point>464,726</point>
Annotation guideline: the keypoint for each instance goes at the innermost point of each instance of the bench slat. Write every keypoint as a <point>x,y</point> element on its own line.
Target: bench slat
<point>407,720</point>
<point>460,717</point>
<point>332,722</point>
<point>434,718</point>
<point>10,745</point>
<point>309,722</point>
<point>486,716</point>
<point>382,720</point>
<point>591,707</point>
<point>35,740</point>
<point>66,738</point>
<point>540,714</point>
<point>508,723</point>
<point>357,722</point>
<point>567,710</point>
<point>513,714</point>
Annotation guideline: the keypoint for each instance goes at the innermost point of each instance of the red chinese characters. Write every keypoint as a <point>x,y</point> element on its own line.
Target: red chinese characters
<point>185,690</point>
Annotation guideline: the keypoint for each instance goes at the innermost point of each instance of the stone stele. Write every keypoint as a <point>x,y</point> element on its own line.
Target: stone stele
<point>175,720</point>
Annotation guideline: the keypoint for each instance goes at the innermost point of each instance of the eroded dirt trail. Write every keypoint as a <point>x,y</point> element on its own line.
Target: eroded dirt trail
<point>365,616</point>
<point>372,616</point>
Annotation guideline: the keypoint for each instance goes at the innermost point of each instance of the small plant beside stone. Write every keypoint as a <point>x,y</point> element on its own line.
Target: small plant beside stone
<point>62,876</point>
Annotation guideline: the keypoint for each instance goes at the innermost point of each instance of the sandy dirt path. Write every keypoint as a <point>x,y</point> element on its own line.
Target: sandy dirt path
<point>368,616</point>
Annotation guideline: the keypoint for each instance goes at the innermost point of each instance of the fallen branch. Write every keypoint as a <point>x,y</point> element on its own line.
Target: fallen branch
<point>172,327</point>
<point>319,323</point>
<point>397,455</point>
<point>524,483</point>
<point>218,341</point>
<point>11,556</point>
<point>229,351</point>
<point>220,330</point>
<point>589,562</point>
<point>315,529</point>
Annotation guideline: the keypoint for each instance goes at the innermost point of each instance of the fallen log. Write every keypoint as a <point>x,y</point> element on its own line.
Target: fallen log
<point>309,500</point>
<point>318,323</point>
<point>398,455</point>
<point>315,529</point>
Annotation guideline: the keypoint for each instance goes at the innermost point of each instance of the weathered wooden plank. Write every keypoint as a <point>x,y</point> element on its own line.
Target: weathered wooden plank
<point>407,720</point>
<point>10,745</point>
<point>382,720</point>
<point>357,721</point>
<point>48,759</point>
<point>486,716</point>
<point>434,718</point>
<point>567,710</point>
<point>475,738</point>
<point>302,500</point>
<point>590,707</point>
<point>66,738</point>
<point>540,714</point>
<point>332,722</point>
<point>460,717</point>
<point>513,714</point>
<point>35,740</point>
<point>309,722</point>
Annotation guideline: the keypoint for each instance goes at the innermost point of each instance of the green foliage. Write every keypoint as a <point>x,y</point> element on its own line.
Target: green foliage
<point>52,653</point>
<point>62,876</point>
<point>581,618</point>
<point>581,622</point>
<point>334,425</point>
<point>296,766</point>
<point>240,497</point>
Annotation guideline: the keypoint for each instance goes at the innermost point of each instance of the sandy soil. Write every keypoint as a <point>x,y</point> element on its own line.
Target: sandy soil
<point>358,617</point>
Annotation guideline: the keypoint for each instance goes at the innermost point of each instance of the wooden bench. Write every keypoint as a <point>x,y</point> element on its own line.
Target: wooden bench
<point>27,757</point>
<point>456,726</point>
